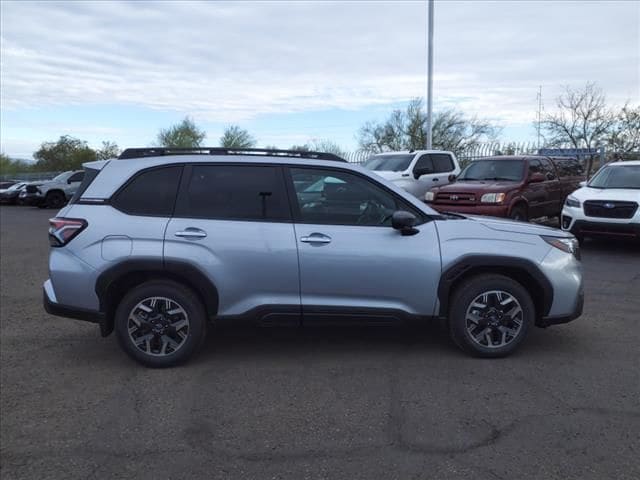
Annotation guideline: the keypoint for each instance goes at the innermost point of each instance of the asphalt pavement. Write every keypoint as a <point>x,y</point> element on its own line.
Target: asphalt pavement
<point>399,403</point>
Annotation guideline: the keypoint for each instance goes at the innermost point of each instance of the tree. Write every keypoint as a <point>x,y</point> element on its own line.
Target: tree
<point>68,153</point>
<point>300,148</point>
<point>582,119</point>
<point>108,150</point>
<point>406,130</point>
<point>10,166</point>
<point>624,136</point>
<point>236,137</point>
<point>325,146</point>
<point>185,134</point>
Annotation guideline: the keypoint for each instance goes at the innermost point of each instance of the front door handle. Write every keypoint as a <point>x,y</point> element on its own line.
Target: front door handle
<point>316,238</point>
<point>191,233</point>
<point>436,179</point>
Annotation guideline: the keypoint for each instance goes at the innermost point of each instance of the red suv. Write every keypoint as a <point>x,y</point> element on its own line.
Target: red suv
<point>518,187</point>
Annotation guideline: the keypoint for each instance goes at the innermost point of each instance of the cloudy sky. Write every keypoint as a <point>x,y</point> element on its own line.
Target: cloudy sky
<point>291,71</point>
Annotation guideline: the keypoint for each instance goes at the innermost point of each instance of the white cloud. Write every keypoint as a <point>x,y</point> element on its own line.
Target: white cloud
<point>227,62</point>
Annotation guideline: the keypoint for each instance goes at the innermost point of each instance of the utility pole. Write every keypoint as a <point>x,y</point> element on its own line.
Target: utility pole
<point>539,115</point>
<point>430,77</point>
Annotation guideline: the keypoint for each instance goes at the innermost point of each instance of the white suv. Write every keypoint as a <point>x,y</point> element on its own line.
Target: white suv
<point>607,205</point>
<point>416,171</point>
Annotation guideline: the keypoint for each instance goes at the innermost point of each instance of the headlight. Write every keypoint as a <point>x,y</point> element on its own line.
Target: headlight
<point>428,197</point>
<point>572,202</point>
<point>492,197</point>
<point>568,245</point>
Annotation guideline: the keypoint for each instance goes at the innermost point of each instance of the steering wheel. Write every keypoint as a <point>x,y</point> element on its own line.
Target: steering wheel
<point>373,214</point>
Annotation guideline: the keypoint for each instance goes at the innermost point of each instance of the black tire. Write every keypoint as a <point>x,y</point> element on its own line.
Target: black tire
<point>519,213</point>
<point>462,299</point>
<point>55,199</point>
<point>184,298</point>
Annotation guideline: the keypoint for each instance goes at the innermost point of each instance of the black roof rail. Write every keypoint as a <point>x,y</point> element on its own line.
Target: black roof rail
<point>162,151</point>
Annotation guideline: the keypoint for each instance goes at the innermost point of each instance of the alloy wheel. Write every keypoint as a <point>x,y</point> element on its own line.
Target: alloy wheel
<point>494,319</point>
<point>158,326</point>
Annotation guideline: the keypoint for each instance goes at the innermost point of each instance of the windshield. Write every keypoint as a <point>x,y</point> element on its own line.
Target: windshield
<point>389,163</point>
<point>506,170</point>
<point>617,177</point>
<point>59,177</point>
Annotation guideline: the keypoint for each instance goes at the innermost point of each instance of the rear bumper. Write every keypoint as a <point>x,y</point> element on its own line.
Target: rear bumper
<point>489,210</point>
<point>52,307</point>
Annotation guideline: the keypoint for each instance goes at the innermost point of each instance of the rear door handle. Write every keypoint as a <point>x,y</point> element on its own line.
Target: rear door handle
<point>316,238</point>
<point>191,232</point>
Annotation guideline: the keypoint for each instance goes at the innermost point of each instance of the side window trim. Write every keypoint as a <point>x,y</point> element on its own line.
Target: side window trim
<point>295,207</point>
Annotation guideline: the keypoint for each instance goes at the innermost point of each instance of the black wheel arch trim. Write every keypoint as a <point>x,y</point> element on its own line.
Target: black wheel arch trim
<point>177,270</point>
<point>467,264</point>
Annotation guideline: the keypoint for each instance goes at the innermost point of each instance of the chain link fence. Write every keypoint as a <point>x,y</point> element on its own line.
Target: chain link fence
<point>28,177</point>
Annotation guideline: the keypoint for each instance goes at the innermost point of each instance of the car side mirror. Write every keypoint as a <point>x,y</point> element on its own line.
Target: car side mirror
<point>537,177</point>
<point>418,172</point>
<point>583,183</point>
<point>404,221</point>
<point>452,178</point>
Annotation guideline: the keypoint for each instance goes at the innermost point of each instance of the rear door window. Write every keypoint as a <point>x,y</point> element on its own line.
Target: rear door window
<point>150,192</point>
<point>235,192</point>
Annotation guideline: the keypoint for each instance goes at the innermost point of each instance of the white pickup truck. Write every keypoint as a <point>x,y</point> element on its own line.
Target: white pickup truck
<point>416,171</point>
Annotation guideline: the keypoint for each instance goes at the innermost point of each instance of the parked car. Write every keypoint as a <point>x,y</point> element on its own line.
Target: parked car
<point>517,187</point>
<point>6,184</point>
<point>156,243</point>
<point>417,171</point>
<point>607,205</point>
<point>10,195</point>
<point>54,193</point>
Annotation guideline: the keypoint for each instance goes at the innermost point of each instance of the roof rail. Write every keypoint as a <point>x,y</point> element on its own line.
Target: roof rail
<point>161,151</point>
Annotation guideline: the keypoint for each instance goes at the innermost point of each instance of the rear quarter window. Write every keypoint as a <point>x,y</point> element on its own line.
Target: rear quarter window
<point>89,176</point>
<point>150,192</point>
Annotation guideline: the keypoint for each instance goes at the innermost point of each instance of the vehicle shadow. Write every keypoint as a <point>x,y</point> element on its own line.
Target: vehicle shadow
<point>605,245</point>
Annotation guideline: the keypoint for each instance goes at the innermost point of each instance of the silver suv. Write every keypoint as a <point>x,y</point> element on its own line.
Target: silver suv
<point>53,193</point>
<point>160,241</point>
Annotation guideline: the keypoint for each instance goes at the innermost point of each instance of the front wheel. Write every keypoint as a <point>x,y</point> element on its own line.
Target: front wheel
<point>160,323</point>
<point>490,315</point>
<point>519,213</point>
<point>55,200</point>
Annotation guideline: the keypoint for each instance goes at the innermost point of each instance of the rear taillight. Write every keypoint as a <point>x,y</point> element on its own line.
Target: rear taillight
<point>63,230</point>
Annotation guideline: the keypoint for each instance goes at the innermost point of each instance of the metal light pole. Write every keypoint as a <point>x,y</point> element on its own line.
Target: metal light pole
<point>430,76</point>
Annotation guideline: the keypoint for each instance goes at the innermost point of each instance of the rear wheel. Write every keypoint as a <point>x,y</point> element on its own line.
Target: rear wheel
<point>490,315</point>
<point>55,199</point>
<point>519,213</point>
<point>160,323</point>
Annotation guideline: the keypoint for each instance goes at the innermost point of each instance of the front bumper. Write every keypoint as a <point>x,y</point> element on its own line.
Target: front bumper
<point>586,228</point>
<point>575,221</point>
<point>7,198</point>
<point>32,199</point>
<point>557,320</point>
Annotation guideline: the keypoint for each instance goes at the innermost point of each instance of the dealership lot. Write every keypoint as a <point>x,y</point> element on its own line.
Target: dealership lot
<point>318,403</point>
